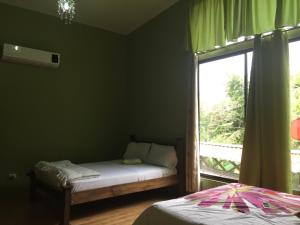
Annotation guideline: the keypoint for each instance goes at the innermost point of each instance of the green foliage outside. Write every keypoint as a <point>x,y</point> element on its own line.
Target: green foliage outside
<point>295,103</point>
<point>224,123</point>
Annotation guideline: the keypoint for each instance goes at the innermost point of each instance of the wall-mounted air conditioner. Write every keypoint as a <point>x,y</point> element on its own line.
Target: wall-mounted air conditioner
<point>19,54</point>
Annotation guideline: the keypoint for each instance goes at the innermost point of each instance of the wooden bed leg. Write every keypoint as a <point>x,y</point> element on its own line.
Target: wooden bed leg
<point>65,220</point>
<point>32,186</point>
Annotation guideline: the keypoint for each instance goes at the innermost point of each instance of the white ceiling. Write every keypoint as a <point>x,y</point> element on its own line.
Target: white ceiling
<point>120,16</point>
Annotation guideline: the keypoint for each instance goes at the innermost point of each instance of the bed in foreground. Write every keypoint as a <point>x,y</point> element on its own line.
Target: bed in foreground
<point>229,204</point>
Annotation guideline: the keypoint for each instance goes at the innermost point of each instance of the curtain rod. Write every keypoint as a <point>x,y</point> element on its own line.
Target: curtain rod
<point>293,33</point>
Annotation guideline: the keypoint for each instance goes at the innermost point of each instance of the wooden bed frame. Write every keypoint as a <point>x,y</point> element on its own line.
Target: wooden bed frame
<point>68,198</point>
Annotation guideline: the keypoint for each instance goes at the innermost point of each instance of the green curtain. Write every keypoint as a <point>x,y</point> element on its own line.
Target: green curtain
<point>248,17</point>
<point>266,158</point>
<point>206,24</point>
<point>213,22</point>
<point>288,13</point>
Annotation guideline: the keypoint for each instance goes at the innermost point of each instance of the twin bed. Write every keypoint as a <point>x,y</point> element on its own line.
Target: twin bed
<point>115,178</point>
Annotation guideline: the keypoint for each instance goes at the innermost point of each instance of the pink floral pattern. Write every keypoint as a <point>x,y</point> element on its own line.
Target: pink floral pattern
<point>236,196</point>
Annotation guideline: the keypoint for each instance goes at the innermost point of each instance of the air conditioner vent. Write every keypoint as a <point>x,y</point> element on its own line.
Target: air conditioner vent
<point>19,54</point>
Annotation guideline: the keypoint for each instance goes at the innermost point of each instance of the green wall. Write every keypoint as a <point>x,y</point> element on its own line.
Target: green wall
<point>76,112</point>
<point>159,67</point>
<point>108,86</point>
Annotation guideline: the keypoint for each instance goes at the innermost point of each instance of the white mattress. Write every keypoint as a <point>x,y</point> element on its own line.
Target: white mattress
<point>114,173</point>
<point>183,212</point>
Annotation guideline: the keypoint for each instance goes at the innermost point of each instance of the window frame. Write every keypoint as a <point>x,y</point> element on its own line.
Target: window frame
<point>229,51</point>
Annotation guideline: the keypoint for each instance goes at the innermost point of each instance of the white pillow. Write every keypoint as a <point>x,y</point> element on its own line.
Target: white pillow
<point>162,155</point>
<point>137,151</point>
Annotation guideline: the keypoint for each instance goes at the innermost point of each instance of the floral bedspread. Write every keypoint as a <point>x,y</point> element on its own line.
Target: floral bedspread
<point>242,198</point>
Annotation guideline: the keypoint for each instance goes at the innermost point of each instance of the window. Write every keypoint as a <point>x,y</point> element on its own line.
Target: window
<point>294,50</point>
<point>223,89</point>
<point>224,82</point>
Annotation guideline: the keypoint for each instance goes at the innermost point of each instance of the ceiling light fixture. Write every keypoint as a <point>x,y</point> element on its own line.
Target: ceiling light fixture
<point>66,10</point>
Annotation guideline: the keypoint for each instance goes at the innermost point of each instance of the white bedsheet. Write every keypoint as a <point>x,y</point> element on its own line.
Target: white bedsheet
<point>183,212</point>
<point>62,172</point>
<point>114,173</point>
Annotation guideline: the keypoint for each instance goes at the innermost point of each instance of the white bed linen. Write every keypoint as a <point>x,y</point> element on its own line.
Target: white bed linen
<point>62,172</point>
<point>115,172</point>
<point>184,212</point>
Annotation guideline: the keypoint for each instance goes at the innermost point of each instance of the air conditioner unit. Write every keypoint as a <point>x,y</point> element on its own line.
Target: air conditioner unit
<point>19,54</point>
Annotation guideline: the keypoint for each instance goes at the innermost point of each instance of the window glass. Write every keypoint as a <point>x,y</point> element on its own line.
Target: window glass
<point>222,107</point>
<point>294,51</point>
<point>249,64</point>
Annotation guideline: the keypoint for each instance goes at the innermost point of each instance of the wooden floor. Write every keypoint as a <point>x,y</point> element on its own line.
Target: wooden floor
<point>117,211</point>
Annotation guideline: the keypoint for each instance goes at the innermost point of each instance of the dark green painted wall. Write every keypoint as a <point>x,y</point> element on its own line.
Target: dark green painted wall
<point>76,112</point>
<point>108,86</point>
<point>159,68</point>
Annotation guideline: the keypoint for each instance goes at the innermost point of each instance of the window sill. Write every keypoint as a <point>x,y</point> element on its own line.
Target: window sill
<point>218,178</point>
<point>222,179</point>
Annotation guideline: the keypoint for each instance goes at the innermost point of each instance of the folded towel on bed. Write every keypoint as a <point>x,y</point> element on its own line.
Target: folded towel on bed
<point>61,173</point>
<point>132,161</point>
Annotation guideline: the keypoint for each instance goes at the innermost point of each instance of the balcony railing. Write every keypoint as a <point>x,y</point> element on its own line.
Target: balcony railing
<point>224,160</point>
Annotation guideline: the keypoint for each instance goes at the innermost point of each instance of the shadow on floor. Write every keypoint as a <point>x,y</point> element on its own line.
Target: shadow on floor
<point>16,209</point>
